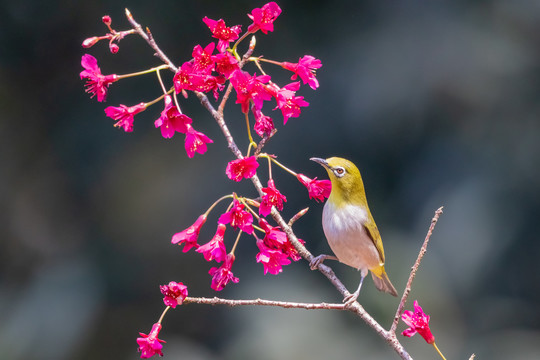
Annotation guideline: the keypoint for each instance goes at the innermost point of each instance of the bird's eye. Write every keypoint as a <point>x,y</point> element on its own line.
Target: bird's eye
<point>339,171</point>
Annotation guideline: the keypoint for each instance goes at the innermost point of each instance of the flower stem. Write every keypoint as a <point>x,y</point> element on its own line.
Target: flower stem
<point>279,164</point>
<point>163,314</point>
<point>238,42</point>
<point>161,81</point>
<point>439,351</point>
<point>217,202</point>
<point>236,242</point>
<point>142,72</point>
<point>251,142</point>
<point>257,59</point>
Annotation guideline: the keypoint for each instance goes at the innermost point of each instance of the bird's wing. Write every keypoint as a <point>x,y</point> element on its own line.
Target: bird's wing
<point>373,233</point>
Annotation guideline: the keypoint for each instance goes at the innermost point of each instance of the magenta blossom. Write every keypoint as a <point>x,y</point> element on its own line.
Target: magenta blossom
<point>317,189</point>
<point>264,18</point>
<point>189,236</point>
<point>240,169</point>
<point>305,68</point>
<point>223,274</point>
<point>288,102</point>
<point>97,83</point>
<point>124,115</point>
<point>195,142</point>
<point>418,322</point>
<point>174,293</point>
<point>271,259</point>
<point>215,248</point>
<point>238,218</point>
<point>171,120</point>
<point>271,197</point>
<point>278,240</point>
<point>150,345</point>
<point>248,88</point>
<point>223,33</point>
<point>264,125</point>
<point>226,64</point>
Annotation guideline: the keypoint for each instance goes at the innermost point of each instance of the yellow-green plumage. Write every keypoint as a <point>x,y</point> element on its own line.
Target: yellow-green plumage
<point>349,226</point>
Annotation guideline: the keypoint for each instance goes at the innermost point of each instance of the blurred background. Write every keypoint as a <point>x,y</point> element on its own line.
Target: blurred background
<point>437,102</point>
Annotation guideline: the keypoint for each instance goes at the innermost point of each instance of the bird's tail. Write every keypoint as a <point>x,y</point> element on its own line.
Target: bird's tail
<point>382,282</point>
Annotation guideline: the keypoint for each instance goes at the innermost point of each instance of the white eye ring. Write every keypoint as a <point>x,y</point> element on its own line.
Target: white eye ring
<point>339,171</point>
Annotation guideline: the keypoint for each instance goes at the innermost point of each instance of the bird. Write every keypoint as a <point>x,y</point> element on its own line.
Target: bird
<point>350,228</point>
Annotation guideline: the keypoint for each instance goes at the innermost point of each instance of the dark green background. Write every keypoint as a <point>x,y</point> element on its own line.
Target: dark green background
<point>437,102</point>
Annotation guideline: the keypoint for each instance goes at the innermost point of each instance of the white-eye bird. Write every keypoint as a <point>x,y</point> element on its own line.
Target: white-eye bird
<point>349,226</point>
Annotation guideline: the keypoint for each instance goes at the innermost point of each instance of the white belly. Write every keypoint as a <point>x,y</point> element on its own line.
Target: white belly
<point>348,238</point>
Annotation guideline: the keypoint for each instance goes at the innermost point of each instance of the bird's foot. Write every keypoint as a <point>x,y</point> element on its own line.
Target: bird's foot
<point>318,260</point>
<point>350,299</point>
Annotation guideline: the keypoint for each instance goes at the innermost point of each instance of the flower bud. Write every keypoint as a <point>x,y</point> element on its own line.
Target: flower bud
<point>91,41</point>
<point>106,20</point>
<point>113,48</point>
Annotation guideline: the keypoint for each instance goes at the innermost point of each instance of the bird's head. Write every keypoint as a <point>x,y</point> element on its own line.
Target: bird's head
<point>347,184</point>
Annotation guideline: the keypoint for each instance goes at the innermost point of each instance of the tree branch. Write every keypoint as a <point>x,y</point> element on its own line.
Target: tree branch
<point>262,302</point>
<point>414,269</point>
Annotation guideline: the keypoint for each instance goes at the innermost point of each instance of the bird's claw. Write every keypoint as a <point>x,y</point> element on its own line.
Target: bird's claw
<point>316,261</point>
<point>350,299</point>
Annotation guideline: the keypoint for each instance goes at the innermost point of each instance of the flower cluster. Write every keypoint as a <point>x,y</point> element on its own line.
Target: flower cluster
<point>212,67</point>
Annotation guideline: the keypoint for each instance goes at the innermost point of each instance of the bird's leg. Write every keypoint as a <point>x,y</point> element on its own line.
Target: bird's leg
<point>349,299</point>
<point>317,260</point>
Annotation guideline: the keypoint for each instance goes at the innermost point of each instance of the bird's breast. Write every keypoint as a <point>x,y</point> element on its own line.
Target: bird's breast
<point>344,228</point>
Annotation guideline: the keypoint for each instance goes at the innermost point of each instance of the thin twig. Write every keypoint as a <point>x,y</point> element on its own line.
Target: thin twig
<point>414,269</point>
<point>150,40</point>
<point>262,302</point>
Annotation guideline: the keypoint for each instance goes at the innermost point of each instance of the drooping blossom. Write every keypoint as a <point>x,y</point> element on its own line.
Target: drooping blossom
<point>189,236</point>
<point>271,197</point>
<point>272,260</point>
<point>215,248</point>
<point>242,168</point>
<point>223,33</point>
<point>226,64</point>
<point>238,218</point>
<point>288,102</point>
<point>263,18</point>
<point>174,293</point>
<point>418,322</point>
<point>195,142</point>
<point>223,274</point>
<point>276,239</point>
<point>264,125</point>
<point>171,120</point>
<point>317,189</point>
<point>248,88</point>
<point>124,115</point>
<point>150,345</point>
<point>305,68</point>
<point>96,83</point>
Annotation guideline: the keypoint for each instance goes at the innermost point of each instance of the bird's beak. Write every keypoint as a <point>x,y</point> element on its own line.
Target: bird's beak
<point>321,162</point>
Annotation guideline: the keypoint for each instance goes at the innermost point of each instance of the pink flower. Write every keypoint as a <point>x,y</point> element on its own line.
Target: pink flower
<point>150,345</point>
<point>317,189</point>
<point>271,197</point>
<point>195,76</point>
<point>97,84</point>
<point>189,236</point>
<point>264,125</point>
<point>305,68</point>
<point>272,260</point>
<point>278,240</point>
<point>195,142</point>
<point>242,168</point>
<point>171,120</point>
<point>223,274</point>
<point>174,293</point>
<point>223,33</point>
<point>288,103</point>
<point>238,218</point>
<point>124,115</point>
<point>250,88</point>
<point>215,248</point>
<point>264,18</point>
<point>202,59</point>
<point>418,322</point>
<point>226,64</point>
